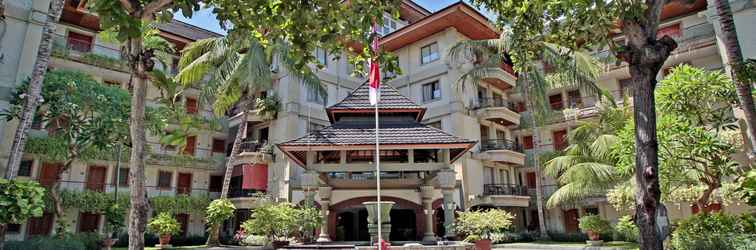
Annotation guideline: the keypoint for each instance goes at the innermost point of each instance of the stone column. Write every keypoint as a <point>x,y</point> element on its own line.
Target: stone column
<point>426,193</point>
<point>447,181</point>
<point>325,202</point>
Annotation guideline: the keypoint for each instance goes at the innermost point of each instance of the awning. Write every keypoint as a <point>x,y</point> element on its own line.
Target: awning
<point>253,176</point>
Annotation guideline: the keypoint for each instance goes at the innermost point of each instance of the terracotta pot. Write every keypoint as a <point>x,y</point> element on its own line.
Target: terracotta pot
<point>483,244</point>
<point>592,235</point>
<point>279,244</point>
<point>165,239</point>
<point>108,243</point>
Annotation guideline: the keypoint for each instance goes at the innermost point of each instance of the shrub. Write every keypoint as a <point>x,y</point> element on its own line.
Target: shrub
<point>254,240</point>
<point>20,200</point>
<point>191,240</point>
<point>281,221</point>
<point>46,243</point>
<point>481,224</point>
<point>164,224</point>
<point>567,237</point>
<point>91,241</point>
<point>713,231</point>
<point>594,223</point>
<point>626,229</point>
<point>509,237</point>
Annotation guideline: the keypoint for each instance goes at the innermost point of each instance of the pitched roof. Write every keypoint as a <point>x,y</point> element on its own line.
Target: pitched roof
<point>186,30</point>
<point>390,101</point>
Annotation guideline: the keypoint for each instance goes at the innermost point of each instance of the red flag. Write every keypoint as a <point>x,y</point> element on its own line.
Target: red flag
<point>375,71</point>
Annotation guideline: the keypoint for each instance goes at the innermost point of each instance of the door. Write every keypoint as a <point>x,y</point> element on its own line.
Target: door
<point>183,220</point>
<point>191,144</point>
<point>560,139</point>
<point>89,222</point>
<point>48,174</point>
<point>263,135</point>
<point>96,178</point>
<point>531,179</point>
<point>571,221</point>
<point>184,185</point>
<point>40,226</point>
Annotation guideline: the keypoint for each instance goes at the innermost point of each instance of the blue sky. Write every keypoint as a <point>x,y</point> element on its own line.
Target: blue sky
<point>205,18</point>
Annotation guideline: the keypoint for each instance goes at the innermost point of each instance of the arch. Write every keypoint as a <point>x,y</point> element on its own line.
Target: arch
<point>357,202</point>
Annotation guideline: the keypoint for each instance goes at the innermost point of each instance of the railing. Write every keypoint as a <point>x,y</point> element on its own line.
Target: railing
<point>255,147</point>
<point>495,103</point>
<point>504,189</point>
<point>109,187</point>
<point>360,176</point>
<point>495,144</point>
<point>548,190</point>
<point>245,193</point>
<point>88,52</point>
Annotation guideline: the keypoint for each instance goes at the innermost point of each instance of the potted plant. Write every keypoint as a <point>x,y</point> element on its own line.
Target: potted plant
<point>115,216</point>
<point>164,225</point>
<point>479,225</point>
<point>218,211</point>
<point>593,226</point>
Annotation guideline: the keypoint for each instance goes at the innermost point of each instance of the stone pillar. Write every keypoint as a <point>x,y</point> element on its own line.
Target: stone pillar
<point>447,181</point>
<point>325,202</point>
<point>426,193</point>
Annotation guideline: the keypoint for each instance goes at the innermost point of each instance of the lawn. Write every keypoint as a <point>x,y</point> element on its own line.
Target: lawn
<point>572,245</point>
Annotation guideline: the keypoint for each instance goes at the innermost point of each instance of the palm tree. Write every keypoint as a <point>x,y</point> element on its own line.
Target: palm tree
<point>586,168</point>
<point>570,69</point>
<point>239,66</point>
<point>735,58</point>
<point>34,89</point>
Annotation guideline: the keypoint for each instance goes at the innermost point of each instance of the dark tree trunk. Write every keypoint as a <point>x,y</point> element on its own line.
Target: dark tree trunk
<point>703,200</point>
<point>54,190</point>
<point>735,59</point>
<point>139,204</point>
<point>536,144</point>
<point>213,238</point>
<point>34,90</point>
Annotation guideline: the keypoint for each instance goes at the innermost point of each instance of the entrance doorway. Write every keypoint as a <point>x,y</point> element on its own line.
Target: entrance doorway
<point>351,225</point>
<point>403,225</point>
<point>440,219</point>
<point>571,221</point>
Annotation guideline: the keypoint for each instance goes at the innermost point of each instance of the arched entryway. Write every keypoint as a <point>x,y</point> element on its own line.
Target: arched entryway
<point>348,220</point>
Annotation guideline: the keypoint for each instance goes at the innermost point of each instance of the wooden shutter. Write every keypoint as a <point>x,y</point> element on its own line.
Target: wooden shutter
<point>191,145</point>
<point>184,183</point>
<point>560,139</point>
<point>191,105</point>
<point>96,178</point>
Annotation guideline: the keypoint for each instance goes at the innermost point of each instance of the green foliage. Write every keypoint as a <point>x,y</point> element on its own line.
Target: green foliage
<point>481,224</point>
<point>115,217</point>
<point>20,200</point>
<point>748,188</point>
<point>254,240</point>
<point>627,229</point>
<point>98,202</point>
<point>594,223</point>
<point>280,221</point>
<point>267,107</point>
<point>218,211</point>
<point>170,204</point>
<point>164,224</point>
<point>91,240</point>
<point>713,231</point>
<point>45,243</point>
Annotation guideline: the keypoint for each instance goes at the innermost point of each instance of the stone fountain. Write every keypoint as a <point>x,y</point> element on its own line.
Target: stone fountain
<point>372,219</point>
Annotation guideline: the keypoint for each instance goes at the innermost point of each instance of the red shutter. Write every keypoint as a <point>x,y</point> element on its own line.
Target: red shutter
<point>191,105</point>
<point>79,42</point>
<point>672,31</point>
<point>560,139</point>
<point>527,142</point>
<point>556,102</point>
<point>49,174</point>
<point>40,225</point>
<point>571,221</point>
<point>191,144</point>
<point>184,184</point>
<point>530,179</point>
<point>96,178</point>
<point>89,222</point>
<point>219,146</point>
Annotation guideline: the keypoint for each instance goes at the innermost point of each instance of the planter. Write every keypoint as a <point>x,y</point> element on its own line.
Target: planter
<point>595,243</point>
<point>279,244</point>
<point>483,244</point>
<point>108,243</point>
<point>165,239</point>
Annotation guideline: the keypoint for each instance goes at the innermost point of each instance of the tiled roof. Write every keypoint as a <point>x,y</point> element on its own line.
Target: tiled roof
<point>363,133</point>
<point>186,30</point>
<point>390,99</point>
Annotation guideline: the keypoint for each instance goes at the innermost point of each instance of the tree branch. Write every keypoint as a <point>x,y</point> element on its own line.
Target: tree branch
<point>154,7</point>
<point>126,4</point>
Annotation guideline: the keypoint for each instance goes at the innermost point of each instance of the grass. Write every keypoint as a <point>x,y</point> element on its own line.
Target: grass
<point>155,248</point>
<point>613,244</point>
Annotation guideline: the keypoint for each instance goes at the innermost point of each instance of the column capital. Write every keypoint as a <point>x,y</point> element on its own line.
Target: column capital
<point>447,179</point>
<point>324,193</point>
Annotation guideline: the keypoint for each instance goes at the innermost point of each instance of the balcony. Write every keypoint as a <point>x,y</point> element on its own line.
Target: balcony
<point>253,151</point>
<point>252,117</point>
<point>501,150</point>
<point>366,180</point>
<point>497,110</point>
<point>87,52</point>
<point>502,77</point>
<point>504,195</point>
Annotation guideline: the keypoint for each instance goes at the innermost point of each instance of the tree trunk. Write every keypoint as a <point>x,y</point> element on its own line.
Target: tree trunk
<point>536,139</point>
<point>54,195</point>
<point>33,91</point>
<point>139,203</point>
<point>703,200</point>
<point>3,229</point>
<point>213,239</point>
<point>735,58</point>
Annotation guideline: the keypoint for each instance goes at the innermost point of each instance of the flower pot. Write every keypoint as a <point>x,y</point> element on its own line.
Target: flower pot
<point>279,244</point>
<point>483,244</point>
<point>108,243</point>
<point>593,236</point>
<point>165,239</point>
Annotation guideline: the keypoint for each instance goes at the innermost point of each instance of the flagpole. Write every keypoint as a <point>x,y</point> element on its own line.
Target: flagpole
<point>378,177</point>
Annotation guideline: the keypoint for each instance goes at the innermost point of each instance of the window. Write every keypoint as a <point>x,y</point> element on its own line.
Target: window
<point>216,183</point>
<point>25,169</point>
<point>560,140</point>
<point>314,96</point>
<point>574,100</point>
<point>389,25</point>
<point>79,42</point>
<point>191,144</point>
<point>89,222</point>
<point>556,102</point>
<point>501,135</point>
<point>322,56</point>
<point>13,228</point>
<point>191,105</point>
<point>592,210</point>
<point>527,142</point>
<point>431,91</point>
<point>672,31</point>
<point>498,100</point>
<point>219,145</point>
<point>483,132</point>
<point>121,177</point>
<point>429,53</point>
<point>164,179</point>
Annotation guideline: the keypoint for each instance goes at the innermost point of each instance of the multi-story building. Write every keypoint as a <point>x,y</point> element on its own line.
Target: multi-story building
<point>424,181</point>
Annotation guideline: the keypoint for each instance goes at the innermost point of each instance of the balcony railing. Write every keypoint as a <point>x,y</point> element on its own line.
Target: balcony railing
<point>246,193</point>
<point>496,144</point>
<point>88,52</point>
<point>504,189</point>
<point>495,103</point>
<point>108,186</point>
<point>256,147</point>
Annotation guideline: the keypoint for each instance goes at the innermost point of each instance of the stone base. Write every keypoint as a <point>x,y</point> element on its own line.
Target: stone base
<point>385,231</point>
<point>595,243</point>
<point>158,246</point>
<point>429,238</point>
